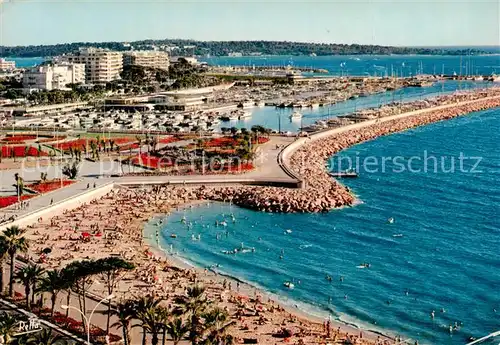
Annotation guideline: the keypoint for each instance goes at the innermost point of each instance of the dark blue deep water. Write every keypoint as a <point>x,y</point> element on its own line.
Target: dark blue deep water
<point>375,65</point>
<point>445,255</point>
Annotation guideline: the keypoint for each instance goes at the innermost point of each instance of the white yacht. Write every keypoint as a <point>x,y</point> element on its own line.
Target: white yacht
<point>296,115</point>
<point>244,115</point>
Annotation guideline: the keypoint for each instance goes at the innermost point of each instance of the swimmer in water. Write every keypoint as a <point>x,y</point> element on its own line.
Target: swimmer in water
<point>432,314</point>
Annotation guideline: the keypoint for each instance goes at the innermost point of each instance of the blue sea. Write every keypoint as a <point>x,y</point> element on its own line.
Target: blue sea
<point>26,62</point>
<point>441,253</point>
<point>374,65</point>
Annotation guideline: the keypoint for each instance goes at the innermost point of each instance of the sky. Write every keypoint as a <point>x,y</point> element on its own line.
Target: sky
<point>397,22</point>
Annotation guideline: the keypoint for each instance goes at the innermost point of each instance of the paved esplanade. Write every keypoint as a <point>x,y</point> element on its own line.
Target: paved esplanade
<point>98,173</point>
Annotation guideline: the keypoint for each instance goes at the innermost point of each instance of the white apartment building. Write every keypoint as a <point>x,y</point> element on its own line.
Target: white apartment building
<point>101,65</point>
<point>147,58</point>
<point>54,76</point>
<point>7,65</point>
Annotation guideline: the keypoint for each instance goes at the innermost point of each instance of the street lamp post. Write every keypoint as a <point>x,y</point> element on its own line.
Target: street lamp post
<point>87,320</point>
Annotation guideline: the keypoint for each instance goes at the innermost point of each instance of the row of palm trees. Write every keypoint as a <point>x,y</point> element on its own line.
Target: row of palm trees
<point>77,277</point>
<point>192,317</point>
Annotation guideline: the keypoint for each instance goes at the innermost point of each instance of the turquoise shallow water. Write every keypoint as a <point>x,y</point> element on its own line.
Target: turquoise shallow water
<point>447,256</point>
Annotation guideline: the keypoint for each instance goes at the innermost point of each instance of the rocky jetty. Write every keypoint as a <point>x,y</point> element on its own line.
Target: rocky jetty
<point>322,193</point>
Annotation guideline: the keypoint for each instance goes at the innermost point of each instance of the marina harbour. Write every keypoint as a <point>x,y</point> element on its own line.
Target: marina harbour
<point>279,118</point>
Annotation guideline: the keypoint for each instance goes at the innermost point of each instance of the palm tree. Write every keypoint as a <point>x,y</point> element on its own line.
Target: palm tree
<point>53,282</point>
<point>193,304</point>
<point>8,327</point>
<point>177,330</point>
<point>153,320</point>
<point>3,255</point>
<point>15,242</point>
<point>139,142</point>
<point>124,311</point>
<point>142,305</point>
<point>215,322</point>
<point>45,337</point>
<point>29,276</point>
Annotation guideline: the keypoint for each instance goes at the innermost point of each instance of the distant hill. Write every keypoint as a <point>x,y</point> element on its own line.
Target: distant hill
<point>223,48</point>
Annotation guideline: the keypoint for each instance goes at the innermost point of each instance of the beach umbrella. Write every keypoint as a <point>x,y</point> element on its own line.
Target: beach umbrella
<point>85,234</point>
<point>47,251</point>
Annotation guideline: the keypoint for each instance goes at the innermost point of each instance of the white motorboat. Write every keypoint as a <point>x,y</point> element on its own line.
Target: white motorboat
<point>289,285</point>
<point>296,115</point>
<point>244,115</point>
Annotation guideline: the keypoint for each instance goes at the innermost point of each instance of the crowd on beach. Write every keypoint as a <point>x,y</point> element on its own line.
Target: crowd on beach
<point>113,226</point>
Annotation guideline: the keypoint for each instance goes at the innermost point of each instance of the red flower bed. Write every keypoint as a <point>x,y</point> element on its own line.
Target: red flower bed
<point>20,151</point>
<point>47,140</point>
<point>6,201</point>
<point>45,187</point>
<point>149,161</point>
<point>127,147</point>
<point>77,327</point>
<point>19,138</point>
<point>84,144</point>
<point>75,144</point>
<point>221,142</point>
<point>261,140</point>
<point>168,140</point>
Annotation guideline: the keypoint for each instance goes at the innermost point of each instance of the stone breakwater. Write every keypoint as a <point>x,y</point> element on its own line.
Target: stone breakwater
<point>322,193</point>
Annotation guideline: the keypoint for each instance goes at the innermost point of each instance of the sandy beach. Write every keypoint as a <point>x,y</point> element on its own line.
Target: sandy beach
<point>113,225</point>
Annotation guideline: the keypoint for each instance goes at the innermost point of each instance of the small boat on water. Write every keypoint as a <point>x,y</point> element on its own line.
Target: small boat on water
<point>397,235</point>
<point>296,115</point>
<point>390,220</point>
<point>173,236</point>
<point>244,115</point>
<point>288,231</point>
<point>364,265</point>
<point>289,285</point>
